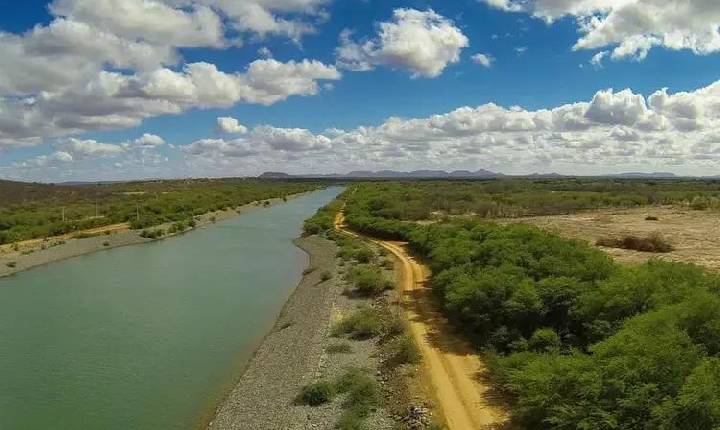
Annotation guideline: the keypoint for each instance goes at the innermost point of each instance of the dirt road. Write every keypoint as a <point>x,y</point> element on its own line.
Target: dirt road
<point>36,243</point>
<point>455,370</point>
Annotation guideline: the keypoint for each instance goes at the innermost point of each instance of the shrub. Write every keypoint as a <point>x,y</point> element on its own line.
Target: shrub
<point>106,243</point>
<point>369,281</point>
<point>404,351</point>
<point>651,218</point>
<point>653,243</point>
<point>308,270</point>
<point>544,340</point>
<point>316,394</point>
<point>362,397</point>
<point>326,276</point>
<point>339,348</point>
<point>11,264</point>
<point>364,323</point>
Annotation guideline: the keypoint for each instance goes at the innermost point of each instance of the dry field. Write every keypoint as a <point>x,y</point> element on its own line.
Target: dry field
<point>695,235</point>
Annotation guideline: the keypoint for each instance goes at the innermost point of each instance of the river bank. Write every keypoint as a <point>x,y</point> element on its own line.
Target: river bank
<point>302,349</point>
<point>29,254</point>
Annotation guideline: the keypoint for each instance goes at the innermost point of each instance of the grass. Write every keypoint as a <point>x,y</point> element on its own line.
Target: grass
<point>653,243</point>
<point>362,397</point>
<point>359,389</point>
<point>364,323</point>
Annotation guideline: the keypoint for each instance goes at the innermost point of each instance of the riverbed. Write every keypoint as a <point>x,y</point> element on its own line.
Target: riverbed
<point>148,336</point>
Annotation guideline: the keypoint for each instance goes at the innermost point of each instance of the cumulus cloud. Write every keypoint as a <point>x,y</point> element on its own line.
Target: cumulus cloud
<point>632,27</point>
<point>230,125</point>
<point>146,141</point>
<point>113,99</point>
<point>614,128</point>
<point>112,63</point>
<point>80,149</point>
<point>422,42</point>
<point>484,60</point>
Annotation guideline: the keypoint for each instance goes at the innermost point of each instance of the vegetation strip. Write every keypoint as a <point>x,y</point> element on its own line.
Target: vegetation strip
<point>578,341</point>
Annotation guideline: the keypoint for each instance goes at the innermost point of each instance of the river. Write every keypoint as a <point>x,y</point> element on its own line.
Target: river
<point>148,336</point>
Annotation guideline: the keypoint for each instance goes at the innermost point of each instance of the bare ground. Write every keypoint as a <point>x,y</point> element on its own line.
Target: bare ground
<point>694,234</point>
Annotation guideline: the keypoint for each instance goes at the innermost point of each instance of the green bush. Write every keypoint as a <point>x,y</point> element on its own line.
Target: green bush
<point>362,397</point>
<point>544,340</point>
<point>369,280</point>
<point>316,394</point>
<point>364,323</point>
<point>404,351</point>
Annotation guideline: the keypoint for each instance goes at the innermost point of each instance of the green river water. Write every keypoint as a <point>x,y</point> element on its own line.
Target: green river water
<point>148,336</point>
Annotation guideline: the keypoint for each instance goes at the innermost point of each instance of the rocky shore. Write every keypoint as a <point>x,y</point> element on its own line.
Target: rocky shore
<point>295,353</point>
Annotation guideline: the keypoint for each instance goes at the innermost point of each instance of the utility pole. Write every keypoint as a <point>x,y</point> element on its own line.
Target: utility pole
<point>63,214</point>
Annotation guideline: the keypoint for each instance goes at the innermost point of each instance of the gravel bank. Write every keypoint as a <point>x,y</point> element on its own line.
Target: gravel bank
<point>295,353</point>
<point>290,355</point>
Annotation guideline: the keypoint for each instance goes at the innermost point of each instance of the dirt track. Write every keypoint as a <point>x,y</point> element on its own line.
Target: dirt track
<point>455,370</point>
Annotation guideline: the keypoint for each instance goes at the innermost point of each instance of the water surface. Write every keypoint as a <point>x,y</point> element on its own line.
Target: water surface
<point>148,336</point>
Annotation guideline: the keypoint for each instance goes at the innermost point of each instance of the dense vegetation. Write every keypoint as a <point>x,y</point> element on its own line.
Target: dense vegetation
<point>30,211</point>
<point>577,341</point>
<point>421,200</point>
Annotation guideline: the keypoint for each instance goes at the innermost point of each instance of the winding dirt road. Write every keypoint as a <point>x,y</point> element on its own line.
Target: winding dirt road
<point>455,370</point>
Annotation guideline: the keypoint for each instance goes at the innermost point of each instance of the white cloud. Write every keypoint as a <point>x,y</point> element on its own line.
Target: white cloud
<point>153,21</point>
<point>55,159</point>
<point>484,60</point>
<point>80,149</point>
<point>146,141</point>
<point>230,125</point>
<point>289,139</point>
<point>632,27</point>
<point>422,42</point>
<point>612,130</point>
<point>112,100</point>
<point>63,78</point>
<point>597,59</point>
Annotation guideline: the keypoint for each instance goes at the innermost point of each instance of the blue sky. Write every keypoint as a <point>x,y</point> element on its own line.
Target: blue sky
<point>533,67</point>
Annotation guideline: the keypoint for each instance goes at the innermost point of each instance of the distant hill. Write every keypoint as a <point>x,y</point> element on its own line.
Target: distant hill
<point>274,175</point>
<point>653,175</point>
<point>464,174</point>
<point>392,174</point>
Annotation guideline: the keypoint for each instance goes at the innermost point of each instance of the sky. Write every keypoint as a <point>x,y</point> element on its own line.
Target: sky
<point>129,89</point>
